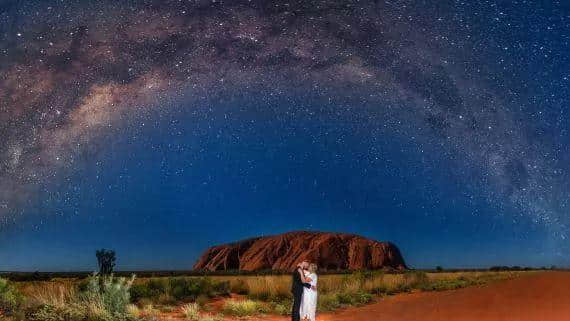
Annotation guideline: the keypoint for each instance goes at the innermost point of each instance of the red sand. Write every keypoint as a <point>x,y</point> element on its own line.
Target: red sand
<point>536,297</point>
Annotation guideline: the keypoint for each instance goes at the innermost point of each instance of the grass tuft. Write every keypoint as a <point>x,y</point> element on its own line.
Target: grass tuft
<point>243,308</point>
<point>191,311</point>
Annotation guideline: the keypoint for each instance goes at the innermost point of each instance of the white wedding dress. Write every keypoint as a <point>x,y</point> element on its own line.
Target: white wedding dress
<point>309,301</point>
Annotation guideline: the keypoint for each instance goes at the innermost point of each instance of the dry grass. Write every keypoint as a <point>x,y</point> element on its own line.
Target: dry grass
<point>60,292</point>
<point>242,308</point>
<point>191,311</point>
<point>263,287</point>
<point>278,286</point>
<point>57,293</point>
<point>334,291</point>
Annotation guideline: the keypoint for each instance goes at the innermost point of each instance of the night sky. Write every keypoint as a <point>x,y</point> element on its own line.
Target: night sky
<point>159,128</point>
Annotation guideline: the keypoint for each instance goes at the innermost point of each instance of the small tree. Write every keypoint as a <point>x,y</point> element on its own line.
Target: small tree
<point>438,268</point>
<point>106,260</point>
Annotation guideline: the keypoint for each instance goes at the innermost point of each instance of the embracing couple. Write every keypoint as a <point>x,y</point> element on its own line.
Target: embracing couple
<point>304,291</point>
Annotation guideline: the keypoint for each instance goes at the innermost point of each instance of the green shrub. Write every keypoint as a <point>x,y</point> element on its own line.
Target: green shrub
<point>10,299</point>
<point>168,290</point>
<point>345,298</point>
<point>139,291</point>
<point>51,313</point>
<point>356,298</point>
<point>327,302</point>
<point>99,299</point>
<point>283,308</point>
<point>222,288</point>
<point>362,298</point>
<point>113,294</point>
<point>191,288</point>
<point>156,287</point>
<point>204,286</point>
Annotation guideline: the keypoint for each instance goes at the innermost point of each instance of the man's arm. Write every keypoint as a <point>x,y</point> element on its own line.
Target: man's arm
<point>302,278</point>
<point>301,275</point>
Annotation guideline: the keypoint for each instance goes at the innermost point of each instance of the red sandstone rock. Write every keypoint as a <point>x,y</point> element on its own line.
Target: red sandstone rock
<point>331,251</point>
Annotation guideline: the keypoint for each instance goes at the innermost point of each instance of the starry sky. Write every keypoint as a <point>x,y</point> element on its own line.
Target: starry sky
<point>159,128</point>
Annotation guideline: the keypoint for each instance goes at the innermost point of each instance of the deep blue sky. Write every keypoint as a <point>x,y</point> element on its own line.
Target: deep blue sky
<point>439,127</point>
<point>162,198</point>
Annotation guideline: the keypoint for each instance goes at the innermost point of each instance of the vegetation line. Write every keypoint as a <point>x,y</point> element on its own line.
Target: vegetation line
<point>111,298</point>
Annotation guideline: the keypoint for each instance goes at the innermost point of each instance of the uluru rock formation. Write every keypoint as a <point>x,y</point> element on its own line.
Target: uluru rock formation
<point>331,251</point>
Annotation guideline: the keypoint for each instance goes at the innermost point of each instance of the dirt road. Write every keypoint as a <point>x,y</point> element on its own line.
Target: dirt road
<point>537,297</point>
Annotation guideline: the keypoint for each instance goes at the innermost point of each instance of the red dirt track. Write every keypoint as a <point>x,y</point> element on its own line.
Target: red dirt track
<point>536,297</point>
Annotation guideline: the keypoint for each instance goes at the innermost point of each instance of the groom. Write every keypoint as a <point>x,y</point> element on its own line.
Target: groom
<point>297,289</point>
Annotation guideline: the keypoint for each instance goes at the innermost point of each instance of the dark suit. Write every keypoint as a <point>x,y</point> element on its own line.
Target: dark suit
<point>297,290</point>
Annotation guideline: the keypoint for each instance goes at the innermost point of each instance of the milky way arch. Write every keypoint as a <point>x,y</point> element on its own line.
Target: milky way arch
<point>68,74</point>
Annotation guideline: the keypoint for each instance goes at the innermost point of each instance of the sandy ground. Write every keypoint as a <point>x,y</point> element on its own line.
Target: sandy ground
<point>536,297</point>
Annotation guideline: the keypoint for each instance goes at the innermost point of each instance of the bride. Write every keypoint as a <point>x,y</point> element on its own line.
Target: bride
<point>309,302</point>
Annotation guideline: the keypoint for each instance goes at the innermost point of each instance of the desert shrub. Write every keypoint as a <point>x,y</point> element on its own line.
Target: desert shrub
<point>10,298</point>
<point>140,291</point>
<point>345,298</point>
<point>354,298</point>
<point>222,288</point>
<point>57,313</point>
<point>169,290</point>
<point>191,288</point>
<point>191,311</point>
<point>283,308</point>
<point>184,288</point>
<point>156,287</point>
<point>327,302</point>
<point>243,308</point>
<point>362,298</point>
<point>113,294</point>
<point>204,286</point>
<point>96,299</point>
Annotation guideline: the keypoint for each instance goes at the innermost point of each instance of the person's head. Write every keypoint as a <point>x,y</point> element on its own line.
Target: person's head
<point>304,265</point>
<point>313,268</point>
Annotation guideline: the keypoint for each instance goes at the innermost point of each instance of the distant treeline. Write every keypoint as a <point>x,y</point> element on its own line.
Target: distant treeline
<point>46,276</point>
